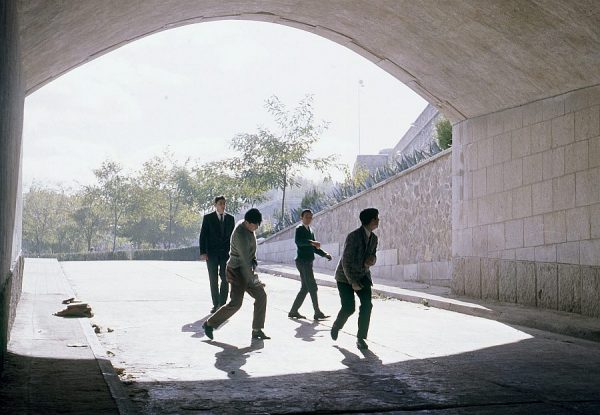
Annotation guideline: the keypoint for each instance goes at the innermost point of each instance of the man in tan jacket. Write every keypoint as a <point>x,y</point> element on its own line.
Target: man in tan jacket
<point>241,276</point>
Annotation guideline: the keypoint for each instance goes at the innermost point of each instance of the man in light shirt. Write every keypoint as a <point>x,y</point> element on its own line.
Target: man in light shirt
<point>240,273</point>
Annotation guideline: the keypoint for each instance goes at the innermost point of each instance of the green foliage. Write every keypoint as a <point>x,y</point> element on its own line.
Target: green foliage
<point>362,180</point>
<point>274,159</point>
<point>88,215</point>
<point>157,207</point>
<point>215,179</point>
<point>180,254</point>
<point>162,195</point>
<point>114,190</point>
<point>443,130</point>
<point>47,225</point>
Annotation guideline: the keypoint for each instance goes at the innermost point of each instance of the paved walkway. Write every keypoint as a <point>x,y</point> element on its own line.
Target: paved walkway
<point>51,367</point>
<point>440,297</point>
<point>421,359</point>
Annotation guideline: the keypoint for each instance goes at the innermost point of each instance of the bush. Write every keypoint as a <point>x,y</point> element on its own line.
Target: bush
<point>94,256</point>
<point>191,253</point>
<point>443,130</point>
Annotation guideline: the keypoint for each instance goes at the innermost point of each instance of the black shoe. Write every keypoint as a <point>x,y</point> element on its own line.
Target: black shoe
<point>334,332</point>
<point>208,330</point>
<point>361,344</point>
<point>259,335</point>
<point>320,316</point>
<point>295,314</point>
<point>212,310</point>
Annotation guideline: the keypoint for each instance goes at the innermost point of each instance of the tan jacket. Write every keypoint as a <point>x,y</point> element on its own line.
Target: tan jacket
<point>242,252</point>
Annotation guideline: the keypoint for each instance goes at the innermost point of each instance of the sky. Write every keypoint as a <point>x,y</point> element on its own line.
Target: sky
<point>194,88</point>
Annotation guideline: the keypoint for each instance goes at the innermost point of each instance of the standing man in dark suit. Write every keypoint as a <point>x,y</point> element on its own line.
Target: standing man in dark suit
<point>305,256</point>
<point>214,249</point>
<point>354,276</point>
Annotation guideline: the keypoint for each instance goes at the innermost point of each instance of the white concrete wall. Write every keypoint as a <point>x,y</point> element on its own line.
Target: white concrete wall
<point>526,204</point>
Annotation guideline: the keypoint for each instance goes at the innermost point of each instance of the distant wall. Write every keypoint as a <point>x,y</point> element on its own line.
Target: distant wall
<point>421,133</point>
<point>415,226</point>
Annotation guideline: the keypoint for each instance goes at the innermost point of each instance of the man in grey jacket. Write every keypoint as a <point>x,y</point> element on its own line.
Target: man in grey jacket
<point>353,275</point>
<point>240,273</point>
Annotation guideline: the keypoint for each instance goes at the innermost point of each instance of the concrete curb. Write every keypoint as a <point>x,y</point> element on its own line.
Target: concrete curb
<point>568,324</point>
<point>109,374</point>
<point>117,391</point>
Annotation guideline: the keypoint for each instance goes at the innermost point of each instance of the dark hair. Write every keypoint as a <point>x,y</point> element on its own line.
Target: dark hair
<point>253,216</point>
<point>219,198</point>
<point>367,215</point>
<point>305,211</point>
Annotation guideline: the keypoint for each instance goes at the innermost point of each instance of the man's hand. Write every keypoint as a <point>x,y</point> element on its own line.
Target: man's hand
<point>356,286</point>
<point>203,257</point>
<point>370,261</point>
<point>329,257</point>
<point>316,244</point>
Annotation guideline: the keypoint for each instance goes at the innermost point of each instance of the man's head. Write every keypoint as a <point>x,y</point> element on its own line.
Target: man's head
<point>252,219</point>
<point>306,216</point>
<point>220,204</point>
<point>369,218</point>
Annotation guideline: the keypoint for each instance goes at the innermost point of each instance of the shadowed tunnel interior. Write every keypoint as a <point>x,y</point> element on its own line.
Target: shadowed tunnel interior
<point>519,378</point>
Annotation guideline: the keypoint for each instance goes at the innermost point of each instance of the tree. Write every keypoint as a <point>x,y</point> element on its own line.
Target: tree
<point>273,159</point>
<point>216,179</point>
<point>114,189</point>
<point>168,189</point>
<point>66,236</point>
<point>38,218</point>
<point>443,133</point>
<point>89,216</point>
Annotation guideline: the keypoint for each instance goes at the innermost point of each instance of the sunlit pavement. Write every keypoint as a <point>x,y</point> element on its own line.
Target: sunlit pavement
<point>420,359</point>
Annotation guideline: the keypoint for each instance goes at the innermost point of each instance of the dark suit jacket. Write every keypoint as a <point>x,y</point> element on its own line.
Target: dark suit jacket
<point>357,248</point>
<point>211,240</point>
<point>305,250</point>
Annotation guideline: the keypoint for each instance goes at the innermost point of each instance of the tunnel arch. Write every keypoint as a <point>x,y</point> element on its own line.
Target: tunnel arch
<point>465,58</point>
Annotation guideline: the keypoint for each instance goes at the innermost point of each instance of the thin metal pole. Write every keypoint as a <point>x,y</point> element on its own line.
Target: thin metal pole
<point>360,85</point>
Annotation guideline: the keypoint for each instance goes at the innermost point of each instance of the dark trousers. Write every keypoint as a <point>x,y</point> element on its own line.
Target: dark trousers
<point>348,307</point>
<point>217,264</point>
<point>238,288</point>
<point>309,285</point>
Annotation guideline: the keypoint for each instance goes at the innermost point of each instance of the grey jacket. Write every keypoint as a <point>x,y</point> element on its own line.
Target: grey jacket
<point>357,248</point>
<point>242,254</point>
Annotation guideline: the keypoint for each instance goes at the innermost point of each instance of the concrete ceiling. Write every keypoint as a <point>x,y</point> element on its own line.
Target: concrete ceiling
<point>467,57</point>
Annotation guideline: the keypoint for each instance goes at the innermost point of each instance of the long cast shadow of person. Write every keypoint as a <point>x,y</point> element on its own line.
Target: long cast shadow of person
<point>195,327</point>
<point>369,363</point>
<point>231,359</point>
<point>306,330</point>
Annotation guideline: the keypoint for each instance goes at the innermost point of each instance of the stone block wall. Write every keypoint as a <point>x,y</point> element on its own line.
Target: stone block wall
<point>414,233</point>
<point>526,204</point>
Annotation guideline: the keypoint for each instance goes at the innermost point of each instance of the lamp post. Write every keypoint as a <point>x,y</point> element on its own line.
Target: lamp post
<point>361,85</point>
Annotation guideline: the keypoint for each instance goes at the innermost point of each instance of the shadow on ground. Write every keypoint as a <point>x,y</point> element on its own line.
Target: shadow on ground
<point>517,378</point>
<point>195,327</point>
<point>35,385</point>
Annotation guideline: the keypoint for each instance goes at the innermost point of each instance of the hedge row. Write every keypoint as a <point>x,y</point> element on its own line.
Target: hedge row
<point>191,253</point>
